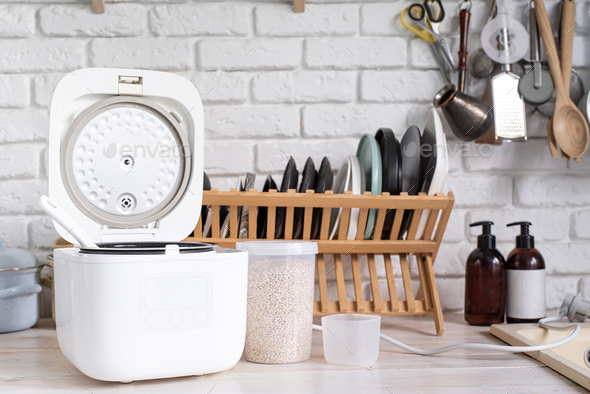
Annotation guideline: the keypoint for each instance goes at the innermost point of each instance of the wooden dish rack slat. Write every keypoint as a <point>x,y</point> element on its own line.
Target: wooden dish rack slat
<point>437,208</point>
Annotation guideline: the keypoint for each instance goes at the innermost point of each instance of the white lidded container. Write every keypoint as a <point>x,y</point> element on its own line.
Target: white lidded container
<point>126,162</point>
<point>280,300</point>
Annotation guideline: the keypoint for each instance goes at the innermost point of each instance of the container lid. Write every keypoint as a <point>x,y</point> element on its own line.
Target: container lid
<point>16,258</point>
<point>278,248</point>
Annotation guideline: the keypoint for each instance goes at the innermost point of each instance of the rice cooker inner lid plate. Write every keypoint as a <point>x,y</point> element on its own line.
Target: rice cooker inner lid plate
<point>125,161</point>
<point>145,248</point>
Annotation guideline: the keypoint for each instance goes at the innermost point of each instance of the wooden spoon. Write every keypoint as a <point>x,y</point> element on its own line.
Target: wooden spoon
<point>568,21</point>
<point>569,126</point>
<point>551,139</point>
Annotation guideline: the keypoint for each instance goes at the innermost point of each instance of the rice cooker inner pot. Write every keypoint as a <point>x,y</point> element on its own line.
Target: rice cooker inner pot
<point>145,248</point>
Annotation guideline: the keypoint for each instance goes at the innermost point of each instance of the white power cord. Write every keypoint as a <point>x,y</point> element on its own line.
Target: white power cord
<point>504,348</point>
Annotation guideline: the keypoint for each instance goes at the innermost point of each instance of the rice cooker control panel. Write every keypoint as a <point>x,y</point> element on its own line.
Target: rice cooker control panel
<point>175,301</point>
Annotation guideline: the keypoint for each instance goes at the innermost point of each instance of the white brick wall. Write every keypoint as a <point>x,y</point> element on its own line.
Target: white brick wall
<point>249,54</point>
<point>277,84</point>
<point>353,53</point>
<point>15,91</point>
<point>40,55</point>
<point>228,20</point>
<point>304,87</point>
<point>321,20</point>
<point>118,20</point>
<point>23,125</point>
<point>17,21</point>
<point>251,122</point>
<point>156,53</point>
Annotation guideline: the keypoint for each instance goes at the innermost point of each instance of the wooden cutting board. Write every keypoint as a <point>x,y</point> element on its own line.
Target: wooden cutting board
<point>567,359</point>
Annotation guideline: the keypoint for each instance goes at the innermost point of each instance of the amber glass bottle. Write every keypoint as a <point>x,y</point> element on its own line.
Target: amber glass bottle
<point>525,283</point>
<point>485,279</point>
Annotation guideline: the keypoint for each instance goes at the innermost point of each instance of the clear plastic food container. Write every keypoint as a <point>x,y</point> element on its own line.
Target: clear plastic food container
<point>280,300</point>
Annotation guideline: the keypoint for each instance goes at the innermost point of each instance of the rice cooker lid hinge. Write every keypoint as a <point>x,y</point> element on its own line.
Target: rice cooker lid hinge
<point>129,85</point>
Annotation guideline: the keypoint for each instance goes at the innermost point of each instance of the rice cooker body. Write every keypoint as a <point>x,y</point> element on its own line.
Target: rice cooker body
<point>125,318</point>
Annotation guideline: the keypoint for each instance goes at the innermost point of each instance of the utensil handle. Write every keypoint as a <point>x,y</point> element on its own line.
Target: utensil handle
<point>535,47</point>
<point>568,21</point>
<point>18,291</point>
<point>549,44</point>
<point>464,17</point>
<point>534,35</point>
<point>66,221</point>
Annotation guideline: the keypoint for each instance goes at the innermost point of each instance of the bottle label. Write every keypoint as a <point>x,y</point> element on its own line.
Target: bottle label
<point>525,294</point>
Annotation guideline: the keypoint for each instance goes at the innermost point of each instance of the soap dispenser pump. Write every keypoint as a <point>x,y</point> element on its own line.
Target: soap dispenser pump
<point>485,292</point>
<point>525,279</point>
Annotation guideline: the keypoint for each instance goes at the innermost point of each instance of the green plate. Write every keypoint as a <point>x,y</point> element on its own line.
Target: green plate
<point>369,155</point>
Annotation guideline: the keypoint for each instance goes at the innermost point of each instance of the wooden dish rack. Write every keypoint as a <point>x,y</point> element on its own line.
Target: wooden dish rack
<point>438,208</point>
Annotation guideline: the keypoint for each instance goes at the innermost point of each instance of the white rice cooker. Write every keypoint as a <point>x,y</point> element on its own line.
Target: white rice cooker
<point>126,162</point>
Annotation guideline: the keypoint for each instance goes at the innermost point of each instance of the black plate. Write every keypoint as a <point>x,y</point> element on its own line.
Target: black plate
<point>324,182</point>
<point>392,171</point>
<point>146,248</point>
<point>411,170</point>
<point>269,184</point>
<point>429,153</point>
<point>411,161</point>
<point>290,178</point>
<point>308,181</point>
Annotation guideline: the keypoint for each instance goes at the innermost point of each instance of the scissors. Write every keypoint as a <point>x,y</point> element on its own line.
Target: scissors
<point>425,23</point>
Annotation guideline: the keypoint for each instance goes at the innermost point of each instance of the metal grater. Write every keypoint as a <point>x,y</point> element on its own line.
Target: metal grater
<point>509,107</point>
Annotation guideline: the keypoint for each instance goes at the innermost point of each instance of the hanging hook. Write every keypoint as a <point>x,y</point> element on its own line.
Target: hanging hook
<point>465,5</point>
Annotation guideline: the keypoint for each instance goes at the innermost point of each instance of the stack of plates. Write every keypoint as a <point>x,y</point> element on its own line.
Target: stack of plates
<point>417,163</point>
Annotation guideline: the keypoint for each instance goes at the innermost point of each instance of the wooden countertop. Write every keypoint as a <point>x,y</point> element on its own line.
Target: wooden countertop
<point>31,362</point>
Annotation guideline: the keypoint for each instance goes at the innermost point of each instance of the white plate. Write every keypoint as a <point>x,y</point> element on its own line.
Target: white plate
<point>357,186</point>
<point>208,221</point>
<point>441,170</point>
<point>341,184</point>
<point>224,232</point>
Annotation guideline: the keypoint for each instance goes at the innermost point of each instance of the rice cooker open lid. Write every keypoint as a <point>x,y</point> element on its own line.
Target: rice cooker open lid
<point>126,154</point>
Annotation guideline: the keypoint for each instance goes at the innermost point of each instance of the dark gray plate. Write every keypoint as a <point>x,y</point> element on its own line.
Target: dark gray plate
<point>324,183</point>
<point>290,178</point>
<point>308,181</point>
<point>392,171</point>
<point>269,184</point>
<point>411,170</point>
